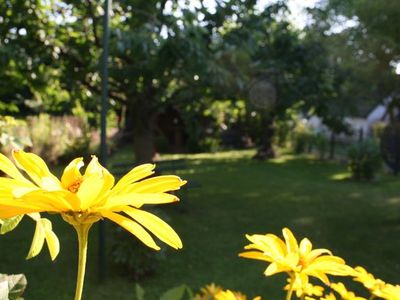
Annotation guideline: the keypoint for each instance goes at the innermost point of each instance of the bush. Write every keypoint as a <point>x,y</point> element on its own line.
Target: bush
<point>13,134</point>
<point>130,256</point>
<point>364,160</point>
<point>59,138</point>
<point>302,140</point>
<point>321,143</point>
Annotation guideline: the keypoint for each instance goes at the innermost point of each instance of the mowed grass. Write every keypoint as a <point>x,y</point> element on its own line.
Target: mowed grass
<point>359,221</point>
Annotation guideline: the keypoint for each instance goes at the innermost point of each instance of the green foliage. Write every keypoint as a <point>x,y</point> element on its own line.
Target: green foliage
<point>12,286</point>
<point>7,225</point>
<point>59,138</point>
<point>302,137</point>
<point>364,160</point>
<point>130,256</point>
<point>181,292</point>
<point>13,134</point>
<point>365,55</point>
<point>321,143</point>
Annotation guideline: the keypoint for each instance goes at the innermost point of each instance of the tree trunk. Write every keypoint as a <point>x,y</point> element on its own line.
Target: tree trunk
<point>265,149</point>
<point>140,123</point>
<point>143,146</point>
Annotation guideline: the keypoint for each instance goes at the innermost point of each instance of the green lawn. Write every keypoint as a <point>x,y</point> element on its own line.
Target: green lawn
<point>358,221</point>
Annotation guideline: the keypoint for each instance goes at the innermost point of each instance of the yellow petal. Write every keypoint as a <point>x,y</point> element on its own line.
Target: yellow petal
<point>15,187</point>
<point>47,201</point>
<point>156,226</point>
<point>95,168</point>
<point>274,268</point>
<point>34,216</point>
<point>90,191</point>
<point>255,255</point>
<point>316,253</point>
<point>14,208</point>
<point>305,247</point>
<point>137,200</point>
<point>9,168</point>
<point>134,175</point>
<point>37,169</point>
<point>133,228</point>
<point>38,240</point>
<point>270,244</point>
<point>52,241</point>
<point>318,274</point>
<point>158,184</point>
<point>71,173</point>
<point>290,240</point>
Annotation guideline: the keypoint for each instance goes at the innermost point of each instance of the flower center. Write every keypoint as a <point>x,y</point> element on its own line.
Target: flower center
<point>74,186</point>
<point>303,262</point>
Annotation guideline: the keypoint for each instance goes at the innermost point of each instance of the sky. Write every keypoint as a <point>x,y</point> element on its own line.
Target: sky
<point>297,7</point>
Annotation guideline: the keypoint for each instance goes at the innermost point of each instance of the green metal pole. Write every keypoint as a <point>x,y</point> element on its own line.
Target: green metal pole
<point>103,129</point>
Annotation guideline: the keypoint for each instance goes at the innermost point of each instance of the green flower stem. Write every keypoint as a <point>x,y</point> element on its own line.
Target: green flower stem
<point>290,291</point>
<point>83,233</point>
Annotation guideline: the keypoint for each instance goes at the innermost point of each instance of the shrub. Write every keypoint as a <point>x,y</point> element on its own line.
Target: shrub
<point>364,160</point>
<point>59,138</point>
<point>130,256</point>
<point>321,144</point>
<point>13,134</point>
<point>302,139</point>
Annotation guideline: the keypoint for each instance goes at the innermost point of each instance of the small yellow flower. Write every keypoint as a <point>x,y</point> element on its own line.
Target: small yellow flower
<point>344,293</point>
<point>299,261</point>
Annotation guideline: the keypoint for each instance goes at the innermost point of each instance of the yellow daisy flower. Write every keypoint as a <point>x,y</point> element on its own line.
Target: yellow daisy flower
<point>84,199</point>
<point>299,261</point>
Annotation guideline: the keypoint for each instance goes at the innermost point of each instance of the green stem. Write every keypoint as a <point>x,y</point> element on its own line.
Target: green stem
<point>83,233</point>
<point>290,291</point>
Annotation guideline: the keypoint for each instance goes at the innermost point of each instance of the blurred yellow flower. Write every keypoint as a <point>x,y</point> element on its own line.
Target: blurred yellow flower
<point>304,289</point>
<point>226,295</point>
<point>299,261</point>
<point>344,293</point>
<point>83,199</point>
<point>390,292</point>
<point>208,292</point>
<point>230,295</point>
<point>373,284</point>
<point>330,296</point>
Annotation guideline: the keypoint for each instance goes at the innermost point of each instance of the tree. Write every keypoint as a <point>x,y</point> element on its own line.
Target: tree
<point>368,50</point>
<point>28,81</point>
